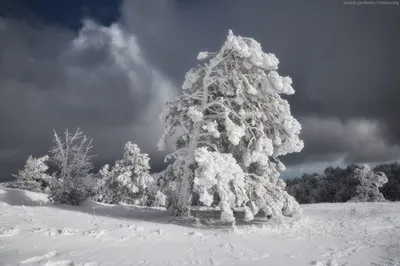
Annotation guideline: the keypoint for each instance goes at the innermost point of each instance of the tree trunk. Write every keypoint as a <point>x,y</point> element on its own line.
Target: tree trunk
<point>181,205</point>
<point>182,202</point>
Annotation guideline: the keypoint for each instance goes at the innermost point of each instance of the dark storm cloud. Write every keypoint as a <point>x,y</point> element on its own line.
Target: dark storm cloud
<point>356,140</point>
<point>97,79</point>
<point>343,61</point>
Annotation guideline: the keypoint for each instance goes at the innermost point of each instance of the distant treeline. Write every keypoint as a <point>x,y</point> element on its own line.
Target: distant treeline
<point>339,185</point>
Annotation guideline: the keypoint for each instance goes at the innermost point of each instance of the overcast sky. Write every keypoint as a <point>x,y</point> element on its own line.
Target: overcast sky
<point>108,66</point>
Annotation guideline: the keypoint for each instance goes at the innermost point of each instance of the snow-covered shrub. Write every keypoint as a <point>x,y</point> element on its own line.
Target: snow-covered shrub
<point>162,189</point>
<point>156,197</point>
<point>71,156</point>
<point>128,180</point>
<point>231,108</point>
<point>33,176</point>
<point>67,191</point>
<point>370,182</point>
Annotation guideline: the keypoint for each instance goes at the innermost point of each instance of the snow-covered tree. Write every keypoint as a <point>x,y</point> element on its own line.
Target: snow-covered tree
<point>33,176</point>
<point>161,189</point>
<point>71,156</point>
<point>156,197</point>
<point>370,182</point>
<point>127,181</point>
<point>231,110</point>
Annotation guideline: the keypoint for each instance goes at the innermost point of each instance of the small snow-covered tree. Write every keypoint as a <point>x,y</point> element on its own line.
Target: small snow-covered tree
<point>370,182</point>
<point>161,188</point>
<point>156,197</point>
<point>71,156</point>
<point>127,181</point>
<point>231,110</point>
<point>33,176</point>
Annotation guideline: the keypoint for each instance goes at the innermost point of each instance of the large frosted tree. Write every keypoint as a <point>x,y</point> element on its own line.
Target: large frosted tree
<point>229,128</point>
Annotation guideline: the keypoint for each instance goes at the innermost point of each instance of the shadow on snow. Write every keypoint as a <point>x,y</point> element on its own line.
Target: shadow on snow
<point>201,218</point>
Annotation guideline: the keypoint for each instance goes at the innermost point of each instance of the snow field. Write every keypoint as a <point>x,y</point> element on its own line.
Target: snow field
<point>35,233</point>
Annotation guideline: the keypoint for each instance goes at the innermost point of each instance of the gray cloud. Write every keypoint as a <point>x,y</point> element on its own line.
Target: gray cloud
<point>312,167</point>
<point>112,81</point>
<point>356,140</point>
<point>343,61</point>
<point>334,142</point>
<point>98,80</point>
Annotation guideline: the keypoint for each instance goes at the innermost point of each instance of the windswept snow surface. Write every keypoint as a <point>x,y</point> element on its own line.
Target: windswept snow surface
<point>34,233</point>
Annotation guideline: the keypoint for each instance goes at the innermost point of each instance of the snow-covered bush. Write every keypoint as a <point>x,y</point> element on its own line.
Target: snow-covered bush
<point>162,189</point>
<point>33,176</point>
<point>71,156</point>
<point>67,191</point>
<point>128,180</point>
<point>370,182</point>
<point>156,197</point>
<point>232,110</point>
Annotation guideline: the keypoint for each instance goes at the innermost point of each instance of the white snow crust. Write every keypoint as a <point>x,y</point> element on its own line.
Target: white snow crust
<point>35,233</point>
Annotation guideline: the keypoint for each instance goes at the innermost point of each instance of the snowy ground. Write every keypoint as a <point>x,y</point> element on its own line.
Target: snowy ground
<point>34,233</point>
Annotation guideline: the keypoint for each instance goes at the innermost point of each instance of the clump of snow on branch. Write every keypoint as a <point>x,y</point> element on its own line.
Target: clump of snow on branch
<point>219,173</point>
<point>234,132</point>
<point>202,55</point>
<point>232,106</point>
<point>127,181</point>
<point>195,115</point>
<point>33,176</point>
<point>370,182</point>
<point>211,127</point>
